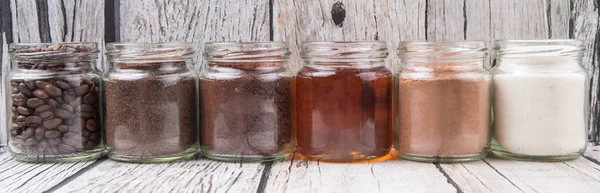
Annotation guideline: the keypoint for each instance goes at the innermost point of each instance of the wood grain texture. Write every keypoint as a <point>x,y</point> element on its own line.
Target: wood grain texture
<point>298,175</point>
<point>190,176</point>
<point>478,177</point>
<point>549,176</point>
<point>194,21</point>
<point>25,177</point>
<point>585,26</point>
<point>389,20</point>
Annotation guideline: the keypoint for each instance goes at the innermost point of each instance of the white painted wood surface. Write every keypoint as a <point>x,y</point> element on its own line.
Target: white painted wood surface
<point>189,176</point>
<point>297,175</point>
<point>25,177</point>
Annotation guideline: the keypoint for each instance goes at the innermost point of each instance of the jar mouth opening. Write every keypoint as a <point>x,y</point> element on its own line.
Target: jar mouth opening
<point>344,51</point>
<point>125,52</point>
<point>475,43</point>
<point>539,41</point>
<point>539,49</point>
<point>54,52</point>
<point>246,52</point>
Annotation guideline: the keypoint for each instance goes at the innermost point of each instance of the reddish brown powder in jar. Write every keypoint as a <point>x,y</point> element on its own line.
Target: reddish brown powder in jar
<point>343,114</point>
<point>248,115</point>
<point>443,116</point>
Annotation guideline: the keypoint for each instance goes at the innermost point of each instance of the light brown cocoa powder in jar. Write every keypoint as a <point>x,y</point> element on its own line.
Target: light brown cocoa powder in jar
<point>443,116</point>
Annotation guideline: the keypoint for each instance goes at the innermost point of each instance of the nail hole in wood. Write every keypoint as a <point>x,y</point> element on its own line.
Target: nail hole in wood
<point>338,14</point>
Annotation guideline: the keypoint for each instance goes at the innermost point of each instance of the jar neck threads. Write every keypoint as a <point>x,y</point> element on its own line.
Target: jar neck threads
<point>539,55</point>
<point>75,56</point>
<point>465,54</point>
<point>348,54</point>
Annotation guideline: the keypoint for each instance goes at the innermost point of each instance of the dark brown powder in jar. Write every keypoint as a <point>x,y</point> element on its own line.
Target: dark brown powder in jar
<point>443,116</point>
<point>151,116</point>
<point>248,115</point>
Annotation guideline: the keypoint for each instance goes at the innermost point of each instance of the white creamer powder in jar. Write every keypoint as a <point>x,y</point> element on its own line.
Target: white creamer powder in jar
<point>540,114</point>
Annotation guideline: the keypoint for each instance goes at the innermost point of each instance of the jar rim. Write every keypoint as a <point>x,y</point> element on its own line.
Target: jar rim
<point>344,43</point>
<point>271,43</point>
<point>36,52</point>
<point>509,41</point>
<point>147,44</point>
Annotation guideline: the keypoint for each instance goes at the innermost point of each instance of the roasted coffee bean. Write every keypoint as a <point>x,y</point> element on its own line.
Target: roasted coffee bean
<point>65,149</point>
<point>18,99</point>
<point>27,133</point>
<point>87,115</point>
<point>15,127</point>
<point>30,84</point>
<point>72,139</point>
<point>67,107</point>
<point>63,128</point>
<point>67,97</point>
<point>14,90</point>
<point>52,123</point>
<point>52,141</point>
<point>53,91</point>
<point>87,81</point>
<point>41,84</point>
<point>52,102</point>
<point>82,89</point>
<point>85,133</point>
<point>63,114</point>
<point>91,125</point>
<point>20,118</point>
<point>85,108</point>
<point>59,100</point>
<point>13,134</point>
<point>23,88</point>
<point>42,108</point>
<point>23,110</point>
<point>14,111</point>
<point>89,145</point>
<point>90,98</point>
<point>33,121</point>
<point>30,142</point>
<point>39,133</point>
<point>95,137</point>
<point>39,93</point>
<point>47,115</point>
<point>34,102</point>
<point>62,85</point>
<point>51,134</point>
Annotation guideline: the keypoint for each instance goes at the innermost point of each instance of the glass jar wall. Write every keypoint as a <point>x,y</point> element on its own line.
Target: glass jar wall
<point>53,105</point>
<point>540,100</point>
<point>151,102</point>
<point>343,101</point>
<point>443,102</point>
<point>246,102</point>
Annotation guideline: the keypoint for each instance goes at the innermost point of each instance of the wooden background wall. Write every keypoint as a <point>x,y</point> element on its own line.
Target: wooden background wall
<point>295,21</point>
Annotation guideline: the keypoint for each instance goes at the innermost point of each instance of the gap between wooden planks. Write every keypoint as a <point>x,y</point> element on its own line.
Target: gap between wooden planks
<point>297,175</point>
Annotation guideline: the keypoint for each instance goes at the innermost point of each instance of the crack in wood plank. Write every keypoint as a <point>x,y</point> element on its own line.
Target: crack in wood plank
<point>448,178</point>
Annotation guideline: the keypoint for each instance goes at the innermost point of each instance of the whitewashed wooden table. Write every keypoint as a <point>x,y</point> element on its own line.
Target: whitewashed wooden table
<point>294,175</point>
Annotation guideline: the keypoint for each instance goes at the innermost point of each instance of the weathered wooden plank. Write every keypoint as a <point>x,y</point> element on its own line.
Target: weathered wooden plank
<point>585,26</point>
<point>389,20</point>
<point>189,176</point>
<point>25,177</point>
<point>478,177</point>
<point>4,68</point>
<point>194,21</point>
<point>446,20</point>
<point>574,176</point>
<point>298,175</point>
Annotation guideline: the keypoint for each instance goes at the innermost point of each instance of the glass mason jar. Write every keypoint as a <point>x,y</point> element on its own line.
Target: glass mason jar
<point>443,102</point>
<point>540,100</point>
<point>246,102</point>
<point>344,101</point>
<point>53,106</point>
<point>151,102</point>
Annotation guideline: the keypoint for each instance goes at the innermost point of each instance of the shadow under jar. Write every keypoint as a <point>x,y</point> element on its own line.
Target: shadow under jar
<point>443,102</point>
<point>541,102</point>
<point>53,105</point>
<point>344,101</point>
<point>151,102</point>
<point>246,102</point>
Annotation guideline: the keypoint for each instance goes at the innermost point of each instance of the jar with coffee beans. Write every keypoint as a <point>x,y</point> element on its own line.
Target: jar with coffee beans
<point>150,94</point>
<point>246,102</point>
<point>53,107</point>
